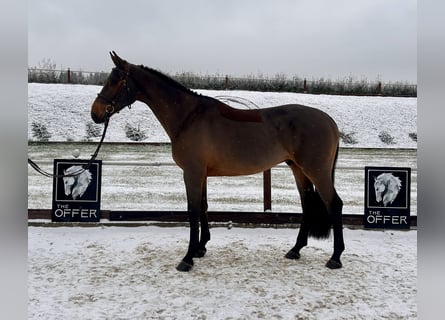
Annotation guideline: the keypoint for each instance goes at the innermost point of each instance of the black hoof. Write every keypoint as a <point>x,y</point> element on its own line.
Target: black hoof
<point>332,264</point>
<point>184,266</point>
<point>292,255</point>
<point>200,253</point>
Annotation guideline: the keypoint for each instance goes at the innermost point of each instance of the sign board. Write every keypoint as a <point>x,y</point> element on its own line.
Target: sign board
<point>76,199</point>
<point>387,197</point>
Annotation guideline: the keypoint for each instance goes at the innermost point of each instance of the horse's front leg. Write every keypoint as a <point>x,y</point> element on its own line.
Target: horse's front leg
<point>205,232</point>
<point>194,186</point>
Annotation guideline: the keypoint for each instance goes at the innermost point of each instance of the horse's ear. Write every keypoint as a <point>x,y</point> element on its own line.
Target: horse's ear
<point>118,61</point>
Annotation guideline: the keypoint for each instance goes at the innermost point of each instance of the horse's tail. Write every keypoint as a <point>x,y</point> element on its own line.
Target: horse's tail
<point>335,162</point>
<point>315,216</point>
<point>315,213</point>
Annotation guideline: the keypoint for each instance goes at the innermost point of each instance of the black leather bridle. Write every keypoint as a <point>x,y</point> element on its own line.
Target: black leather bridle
<point>110,108</point>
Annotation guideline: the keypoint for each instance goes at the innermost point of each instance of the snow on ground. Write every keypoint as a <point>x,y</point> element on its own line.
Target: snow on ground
<point>65,111</point>
<point>129,273</point>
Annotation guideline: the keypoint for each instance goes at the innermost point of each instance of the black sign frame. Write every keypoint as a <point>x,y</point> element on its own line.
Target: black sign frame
<point>387,197</point>
<point>80,201</point>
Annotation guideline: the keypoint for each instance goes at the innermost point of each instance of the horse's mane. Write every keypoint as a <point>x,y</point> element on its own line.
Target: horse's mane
<point>225,110</point>
<point>174,83</point>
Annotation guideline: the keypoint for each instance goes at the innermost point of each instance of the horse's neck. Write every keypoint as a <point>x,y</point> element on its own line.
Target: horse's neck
<point>171,105</point>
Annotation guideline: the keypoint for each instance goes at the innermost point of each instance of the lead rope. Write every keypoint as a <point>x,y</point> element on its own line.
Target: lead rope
<point>84,167</point>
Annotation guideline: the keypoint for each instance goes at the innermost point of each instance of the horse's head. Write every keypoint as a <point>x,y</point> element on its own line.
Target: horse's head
<point>379,187</point>
<point>118,92</point>
<point>68,183</point>
<point>76,184</point>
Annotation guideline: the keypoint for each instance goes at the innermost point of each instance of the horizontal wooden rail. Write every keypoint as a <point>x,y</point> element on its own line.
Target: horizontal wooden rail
<point>171,164</point>
<point>222,217</point>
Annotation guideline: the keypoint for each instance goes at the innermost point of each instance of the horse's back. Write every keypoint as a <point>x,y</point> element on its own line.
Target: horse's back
<point>297,113</point>
<point>302,124</point>
<point>239,115</point>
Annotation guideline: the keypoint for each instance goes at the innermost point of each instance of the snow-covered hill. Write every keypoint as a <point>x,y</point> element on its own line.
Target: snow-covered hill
<point>369,122</point>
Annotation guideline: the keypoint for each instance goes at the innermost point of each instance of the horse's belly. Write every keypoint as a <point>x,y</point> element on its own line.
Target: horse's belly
<point>244,164</point>
<point>234,171</point>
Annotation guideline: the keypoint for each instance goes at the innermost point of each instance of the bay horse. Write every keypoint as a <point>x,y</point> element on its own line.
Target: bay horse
<point>210,138</point>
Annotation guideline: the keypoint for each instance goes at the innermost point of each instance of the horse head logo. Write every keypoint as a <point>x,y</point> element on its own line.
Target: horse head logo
<point>386,188</point>
<point>76,185</point>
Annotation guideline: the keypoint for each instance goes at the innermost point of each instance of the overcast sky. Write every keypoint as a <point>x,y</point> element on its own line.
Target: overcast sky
<point>372,39</point>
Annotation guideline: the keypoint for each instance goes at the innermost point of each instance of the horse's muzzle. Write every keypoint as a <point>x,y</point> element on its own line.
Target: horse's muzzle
<point>98,111</point>
<point>96,118</point>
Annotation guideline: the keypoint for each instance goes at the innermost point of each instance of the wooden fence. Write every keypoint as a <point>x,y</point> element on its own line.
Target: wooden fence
<point>266,218</point>
<point>279,83</point>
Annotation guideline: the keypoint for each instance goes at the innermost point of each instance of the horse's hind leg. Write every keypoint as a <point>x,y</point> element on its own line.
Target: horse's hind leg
<point>306,191</point>
<point>205,232</point>
<point>322,208</point>
<point>334,206</point>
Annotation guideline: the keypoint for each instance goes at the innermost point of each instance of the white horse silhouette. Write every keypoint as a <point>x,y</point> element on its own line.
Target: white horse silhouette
<point>387,188</point>
<point>76,185</point>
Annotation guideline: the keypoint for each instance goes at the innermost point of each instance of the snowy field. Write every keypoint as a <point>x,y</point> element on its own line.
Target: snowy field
<point>65,111</point>
<point>129,273</point>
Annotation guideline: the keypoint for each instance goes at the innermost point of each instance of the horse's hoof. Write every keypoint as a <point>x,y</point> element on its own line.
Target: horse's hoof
<point>200,253</point>
<point>292,255</point>
<point>184,266</point>
<point>332,264</point>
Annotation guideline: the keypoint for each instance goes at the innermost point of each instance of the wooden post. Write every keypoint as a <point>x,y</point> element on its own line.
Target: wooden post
<point>267,190</point>
<point>226,83</point>
<point>304,86</point>
<point>379,89</point>
<point>68,75</point>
